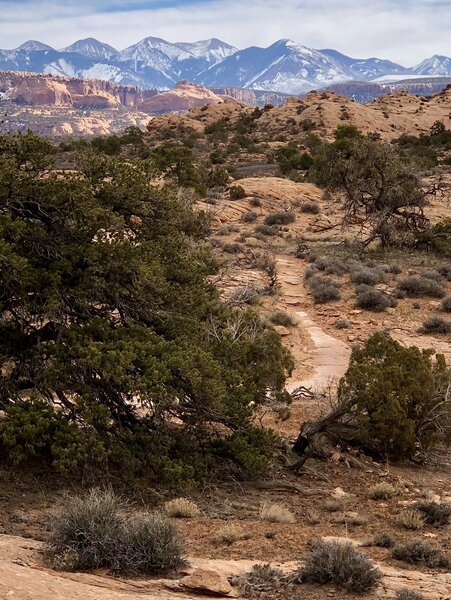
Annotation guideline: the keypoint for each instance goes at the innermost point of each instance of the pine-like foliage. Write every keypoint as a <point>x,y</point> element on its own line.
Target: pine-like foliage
<point>113,344</point>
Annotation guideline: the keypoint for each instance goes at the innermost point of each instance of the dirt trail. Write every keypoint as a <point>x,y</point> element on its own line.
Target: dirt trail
<point>330,356</point>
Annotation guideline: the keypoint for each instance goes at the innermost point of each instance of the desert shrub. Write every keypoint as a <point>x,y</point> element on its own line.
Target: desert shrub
<point>218,176</point>
<point>246,294</point>
<point>229,534</point>
<point>249,217</point>
<point>367,276</point>
<point>434,275</point>
<point>280,317</point>
<point>373,299</point>
<point>310,208</point>
<point>237,192</point>
<point>393,396</point>
<point>383,540</point>
<point>351,519</point>
<point>87,528</point>
<point>342,324</point>
<point>232,248</point>
<point>97,530</point>
<point>435,324</point>
<point>434,513</point>
<point>267,229</point>
<point>408,594</point>
<point>419,551</point>
<point>255,201</point>
<point>382,491</point>
<point>332,505</point>
<point>181,508</point>
<point>323,289</point>
<point>262,579</point>
<point>415,287</point>
<point>410,519</point>
<point>340,564</point>
<point>150,544</point>
<point>310,271</point>
<point>445,270</point>
<point>446,304</point>
<point>280,218</point>
<point>276,513</point>
<point>330,265</point>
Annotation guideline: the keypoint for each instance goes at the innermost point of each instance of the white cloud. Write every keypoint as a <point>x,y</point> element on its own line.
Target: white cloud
<point>402,30</point>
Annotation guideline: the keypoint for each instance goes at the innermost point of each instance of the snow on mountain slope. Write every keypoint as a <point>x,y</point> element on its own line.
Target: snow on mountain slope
<point>436,66</point>
<point>212,50</point>
<point>92,48</point>
<point>284,66</point>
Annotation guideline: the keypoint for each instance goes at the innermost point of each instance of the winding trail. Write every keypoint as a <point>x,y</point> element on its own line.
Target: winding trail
<point>330,355</point>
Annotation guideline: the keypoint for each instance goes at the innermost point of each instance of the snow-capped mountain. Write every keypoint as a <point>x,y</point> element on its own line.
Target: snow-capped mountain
<point>365,69</point>
<point>285,66</point>
<point>212,50</point>
<point>436,66</point>
<point>92,48</point>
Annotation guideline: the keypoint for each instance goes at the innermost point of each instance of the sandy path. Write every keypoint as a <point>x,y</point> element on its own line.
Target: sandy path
<point>329,356</point>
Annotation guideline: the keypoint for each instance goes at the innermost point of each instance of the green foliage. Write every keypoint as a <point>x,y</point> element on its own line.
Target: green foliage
<point>179,161</point>
<point>396,392</point>
<point>113,344</point>
<point>237,192</point>
<point>290,158</point>
<point>381,190</point>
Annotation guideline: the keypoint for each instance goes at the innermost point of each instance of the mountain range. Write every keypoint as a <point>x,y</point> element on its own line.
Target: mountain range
<point>284,66</point>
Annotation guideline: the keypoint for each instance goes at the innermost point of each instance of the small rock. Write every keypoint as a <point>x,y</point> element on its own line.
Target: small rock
<point>283,331</point>
<point>338,493</point>
<point>210,581</point>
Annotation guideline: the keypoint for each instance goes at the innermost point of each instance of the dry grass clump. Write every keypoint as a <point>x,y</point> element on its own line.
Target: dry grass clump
<point>332,505</point>
<point>280,218</point>
<point>353,520</point>
<point>280,317</point>
<point>410,519</point>
<point>419,551</point>
<point>382,491</point>
<point>249,217</point>
<point>367,276</point>
<point>266,230</point>
<point>323,289</point>
<point>97,530</point>
<point>340,564</point>
<point>331,265</point>
<point>408,594</point>
<point>276,513</point>
<point>446,304</point>
<point>373,299</point>
<point>310,208</point>
<point>229,534</point>
<point>436,324</point>
<point>382,540</point>
<point>262,579</point>
<point>342,324</point>
<point>434,513</point>
<point>416,286</point>
<point>232,248</point>
<point>181,508</point>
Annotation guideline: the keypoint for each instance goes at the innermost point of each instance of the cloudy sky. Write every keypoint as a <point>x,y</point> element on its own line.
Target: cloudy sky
<point>402,30</point>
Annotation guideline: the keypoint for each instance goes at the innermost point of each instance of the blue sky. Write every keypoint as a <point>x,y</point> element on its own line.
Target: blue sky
<point>403,30</point>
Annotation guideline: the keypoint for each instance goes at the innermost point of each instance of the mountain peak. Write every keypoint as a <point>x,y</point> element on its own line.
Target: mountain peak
<point>34,46</point>
<point>92,48</point>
